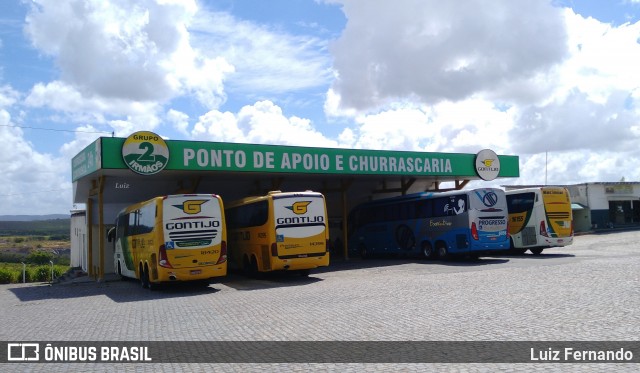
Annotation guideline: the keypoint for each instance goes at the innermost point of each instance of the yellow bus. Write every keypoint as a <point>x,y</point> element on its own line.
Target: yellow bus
<point>171,238</point>
<point>282,231</point>
<point>539,218</point>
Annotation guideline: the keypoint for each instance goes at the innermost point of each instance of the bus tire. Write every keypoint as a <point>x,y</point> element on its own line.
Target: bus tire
<point>150,285</point>
<point>246,266</point>
<point>254,267</point>
<point>362,249</point>
<point>427,250</point>
<point>443,253</point>
<point>536,250</point>
<point>143,280</point>
<point>120,272</point>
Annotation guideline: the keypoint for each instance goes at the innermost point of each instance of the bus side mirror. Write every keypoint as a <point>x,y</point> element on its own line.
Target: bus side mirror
<point>111,234</point>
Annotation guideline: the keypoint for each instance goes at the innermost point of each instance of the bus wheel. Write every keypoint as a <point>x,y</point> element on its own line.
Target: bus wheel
<point>143,278</point>
<point>150,285</point>
<point>442,250</point>
<point>536,250</point>
<point>427,250</point>
<point>246,267</point>
<point>120,272</point>
<point>363,251</point>
<point>254,267</point>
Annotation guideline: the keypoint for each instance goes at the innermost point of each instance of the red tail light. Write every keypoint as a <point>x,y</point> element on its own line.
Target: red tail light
<point>543,229</point>
<point>164,260</point>
<point>474,231</point>
<point>274,249</point>
<point>223,253</point>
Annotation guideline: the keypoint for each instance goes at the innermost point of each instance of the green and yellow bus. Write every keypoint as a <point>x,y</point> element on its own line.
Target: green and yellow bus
<point>282,231</point>
<point>171,238</point>
<point>539,218</point>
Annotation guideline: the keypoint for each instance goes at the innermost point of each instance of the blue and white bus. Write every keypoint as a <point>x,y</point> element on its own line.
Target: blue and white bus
<point>462,223</point>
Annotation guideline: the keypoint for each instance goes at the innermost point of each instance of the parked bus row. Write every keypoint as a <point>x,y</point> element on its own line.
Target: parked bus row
<point>463,223</point>
<point>191,237</point>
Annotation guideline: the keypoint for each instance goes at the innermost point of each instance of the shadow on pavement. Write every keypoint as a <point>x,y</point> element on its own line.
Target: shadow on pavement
<point>238,281</point>
<point>118,291</point>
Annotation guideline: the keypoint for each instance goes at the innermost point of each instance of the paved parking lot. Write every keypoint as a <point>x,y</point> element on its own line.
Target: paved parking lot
<point>589,291</point>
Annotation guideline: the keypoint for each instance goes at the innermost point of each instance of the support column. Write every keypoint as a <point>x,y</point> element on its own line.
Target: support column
<point>90,267</point>
<point>101,229</point>
<point>344,186</point>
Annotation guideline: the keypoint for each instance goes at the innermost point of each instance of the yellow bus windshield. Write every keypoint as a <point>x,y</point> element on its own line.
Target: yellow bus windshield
<point>557,207</point>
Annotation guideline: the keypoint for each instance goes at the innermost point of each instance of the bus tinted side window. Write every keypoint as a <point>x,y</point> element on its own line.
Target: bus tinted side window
<point>251,215</point>
<point>146,219</point>
<point>424,209</point>
<point>519,203</point>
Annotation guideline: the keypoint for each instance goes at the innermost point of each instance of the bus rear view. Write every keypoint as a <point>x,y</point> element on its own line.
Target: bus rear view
<point>194,237</point>
<point>282,231</point>
<point>171,238</point>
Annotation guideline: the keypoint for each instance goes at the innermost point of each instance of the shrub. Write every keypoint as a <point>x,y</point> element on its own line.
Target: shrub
<point>39,257</point>
<point>59,237</point>
<point>18,240</point>
<point>41,274</point>
<point>62,260</point>
<point>8,276</point>
<point>8,257</point>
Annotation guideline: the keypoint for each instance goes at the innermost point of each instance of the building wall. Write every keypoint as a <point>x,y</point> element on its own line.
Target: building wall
<point>610,204</point>
<point>79,240</point>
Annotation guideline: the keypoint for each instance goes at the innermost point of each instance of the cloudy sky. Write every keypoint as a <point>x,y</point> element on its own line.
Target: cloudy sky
<point>556,82</point>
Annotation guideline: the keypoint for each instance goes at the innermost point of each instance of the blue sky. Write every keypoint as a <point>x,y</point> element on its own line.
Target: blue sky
<point>529,78</point>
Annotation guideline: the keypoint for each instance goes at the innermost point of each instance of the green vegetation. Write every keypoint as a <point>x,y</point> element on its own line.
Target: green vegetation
<point>12,272</point>
<point>56,228</point>
<point>36,243</point>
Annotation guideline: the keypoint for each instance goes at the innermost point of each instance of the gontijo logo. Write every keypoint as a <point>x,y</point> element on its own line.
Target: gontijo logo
<point>145,153</point>
<point>192,206</point>
<point>487,164</point>
<point>299,208</point>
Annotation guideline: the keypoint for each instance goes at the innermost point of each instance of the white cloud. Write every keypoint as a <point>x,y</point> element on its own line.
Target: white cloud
<point>179,120</point>
<point>122,50</point>
<point>595,106</point>
<point>430,50</point>
<point>466,127</point>
<point>578,100</point>
<point>8,96</point>
<point>261,123</point>
<point>265,60</point>
<point>38,183</point>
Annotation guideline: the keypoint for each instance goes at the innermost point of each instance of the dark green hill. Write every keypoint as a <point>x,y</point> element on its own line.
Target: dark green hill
<point>53,227</point>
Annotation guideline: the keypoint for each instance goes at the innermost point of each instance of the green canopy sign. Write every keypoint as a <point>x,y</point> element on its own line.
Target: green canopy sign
<point>233,157</point>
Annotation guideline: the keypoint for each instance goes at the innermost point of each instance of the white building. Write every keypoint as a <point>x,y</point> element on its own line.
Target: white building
<point>79,239</point>
<point>602,205</point>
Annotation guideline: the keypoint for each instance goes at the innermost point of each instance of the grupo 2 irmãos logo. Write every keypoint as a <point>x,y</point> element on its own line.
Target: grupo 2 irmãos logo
<point>145,153</point>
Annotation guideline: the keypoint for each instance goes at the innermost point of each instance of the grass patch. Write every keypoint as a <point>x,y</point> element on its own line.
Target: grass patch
<point>11,273</point>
